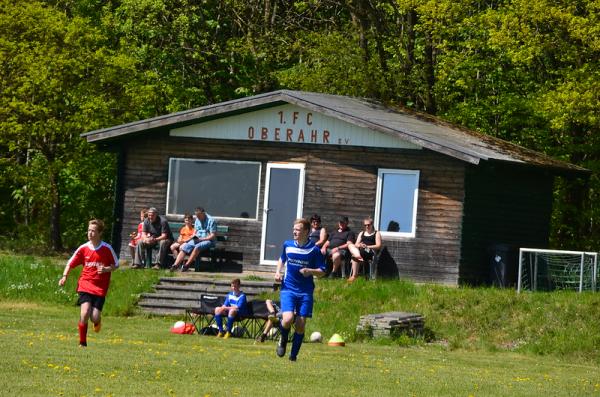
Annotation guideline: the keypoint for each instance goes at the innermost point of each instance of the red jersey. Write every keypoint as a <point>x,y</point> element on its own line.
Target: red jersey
<point>91,257</point>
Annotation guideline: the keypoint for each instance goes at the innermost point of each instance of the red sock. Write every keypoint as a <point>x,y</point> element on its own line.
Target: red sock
<point>82,333</point>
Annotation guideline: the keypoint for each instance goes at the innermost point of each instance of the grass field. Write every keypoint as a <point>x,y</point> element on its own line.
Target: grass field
<point>138,356</point>
<point>479,342</point>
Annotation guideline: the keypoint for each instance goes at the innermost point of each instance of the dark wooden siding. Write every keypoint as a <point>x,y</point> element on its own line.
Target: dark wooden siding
<point>505,205</point>
<point>338,181</point>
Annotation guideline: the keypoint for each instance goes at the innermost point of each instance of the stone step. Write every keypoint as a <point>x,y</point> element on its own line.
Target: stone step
<point>213,290</point>
<point>173,295</point>
<point>217,283</point>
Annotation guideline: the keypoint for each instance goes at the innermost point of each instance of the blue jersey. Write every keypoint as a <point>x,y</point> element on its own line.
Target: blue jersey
<point>296,257</point>
<point>238,301</point>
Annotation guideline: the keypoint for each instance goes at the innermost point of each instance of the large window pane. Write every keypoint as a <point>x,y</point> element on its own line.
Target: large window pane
<point>396,207</point>
<point>224,188</point>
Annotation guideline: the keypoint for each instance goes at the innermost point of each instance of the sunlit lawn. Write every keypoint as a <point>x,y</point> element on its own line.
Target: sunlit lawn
<point>138,356</point>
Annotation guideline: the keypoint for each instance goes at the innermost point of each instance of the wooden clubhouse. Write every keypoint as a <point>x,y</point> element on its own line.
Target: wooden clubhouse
<point>441,195</point>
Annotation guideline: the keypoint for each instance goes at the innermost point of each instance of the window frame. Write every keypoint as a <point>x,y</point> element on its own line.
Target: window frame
<point>177,216</point>
<point>380,176</point>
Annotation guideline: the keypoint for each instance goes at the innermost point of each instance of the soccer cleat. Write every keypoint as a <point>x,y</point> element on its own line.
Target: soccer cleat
<point>281,345</point>
<point>227,335</point>
<point>292,358</point>
<point>82,344</point>
<point>220,334</point>
<point>97,327</point>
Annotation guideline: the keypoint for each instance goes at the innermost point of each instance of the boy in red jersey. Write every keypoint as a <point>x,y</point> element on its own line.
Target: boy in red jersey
<point>98,260</point>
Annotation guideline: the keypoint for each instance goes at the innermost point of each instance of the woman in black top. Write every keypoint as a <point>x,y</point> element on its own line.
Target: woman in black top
<point>317,234</point>
<point>367,242</point>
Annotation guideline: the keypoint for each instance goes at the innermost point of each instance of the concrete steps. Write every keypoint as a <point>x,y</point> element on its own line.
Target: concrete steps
<point>173,295</point>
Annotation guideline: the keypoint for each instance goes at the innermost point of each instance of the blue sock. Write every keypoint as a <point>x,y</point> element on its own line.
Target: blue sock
<point>296,343</point>
<point>230,323</point>
<point>285,332</point>
<point>219,320</point>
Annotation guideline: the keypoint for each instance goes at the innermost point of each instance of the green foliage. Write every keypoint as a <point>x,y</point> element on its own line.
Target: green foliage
<point>474,319</point>
<point>35,279</point>
<point>524,70</point>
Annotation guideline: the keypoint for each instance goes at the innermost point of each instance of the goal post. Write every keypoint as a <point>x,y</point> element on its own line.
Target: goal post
<point>548,270</point>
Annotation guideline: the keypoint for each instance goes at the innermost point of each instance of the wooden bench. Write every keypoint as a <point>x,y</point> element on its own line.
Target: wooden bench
<point>217,254</point>
<point>203,316</point>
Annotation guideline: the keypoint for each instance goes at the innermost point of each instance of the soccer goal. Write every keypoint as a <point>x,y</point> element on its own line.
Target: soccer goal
<point>549,270</point>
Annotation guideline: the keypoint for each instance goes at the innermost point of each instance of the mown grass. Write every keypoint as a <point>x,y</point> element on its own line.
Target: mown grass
<point>479,342</point>
<point>560,323</point>
<point>137,356</point>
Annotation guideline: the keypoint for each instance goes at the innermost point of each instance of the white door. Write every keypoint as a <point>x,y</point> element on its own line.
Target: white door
<point>284,191</point>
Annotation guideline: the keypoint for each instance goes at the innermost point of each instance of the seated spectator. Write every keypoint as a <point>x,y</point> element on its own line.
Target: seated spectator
<point>137,235</point>
<point>367,243</point>
<point>156,233</point>
<point>186,232</point>
<point>317,234</point>
<point>234,305</point>
<point>203,239</point>
<point>273,319</point>
<point>337,245</point>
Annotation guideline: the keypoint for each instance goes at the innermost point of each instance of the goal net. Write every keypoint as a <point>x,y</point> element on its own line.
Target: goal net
<point>549,270</point>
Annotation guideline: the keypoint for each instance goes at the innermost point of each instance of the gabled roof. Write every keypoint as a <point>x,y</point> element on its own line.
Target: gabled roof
<point>419,129</point>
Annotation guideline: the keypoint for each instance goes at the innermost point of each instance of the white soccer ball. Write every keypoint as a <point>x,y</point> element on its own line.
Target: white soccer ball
<point>179,324</point>
<point>316,337</point>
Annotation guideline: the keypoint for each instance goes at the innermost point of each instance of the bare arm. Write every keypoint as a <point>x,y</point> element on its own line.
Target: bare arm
<point>63,279</point>
<point>322,238</point>
<point>307,272</point>
<point>377,241</point>
<point>278,271</point>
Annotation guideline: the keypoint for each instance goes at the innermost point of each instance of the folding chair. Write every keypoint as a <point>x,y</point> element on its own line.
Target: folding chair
<point>203,317</point>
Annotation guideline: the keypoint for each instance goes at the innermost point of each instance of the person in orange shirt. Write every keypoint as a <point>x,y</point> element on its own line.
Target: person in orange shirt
<point>185,234</point>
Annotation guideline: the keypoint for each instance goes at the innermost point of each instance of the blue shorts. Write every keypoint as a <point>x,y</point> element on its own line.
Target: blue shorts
<point>299,303</point>
<point>201,245</point>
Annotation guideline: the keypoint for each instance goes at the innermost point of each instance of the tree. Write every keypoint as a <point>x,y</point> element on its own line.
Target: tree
<point>58,79</point>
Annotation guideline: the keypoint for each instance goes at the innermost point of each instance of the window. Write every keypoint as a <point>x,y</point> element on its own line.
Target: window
<point>396,206</point>
<point>224,188</point>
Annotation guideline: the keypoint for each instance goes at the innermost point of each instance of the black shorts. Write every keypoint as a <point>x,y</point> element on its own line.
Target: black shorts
<point>366,253</point>
<point>344,253</point>
<point>96,301</point>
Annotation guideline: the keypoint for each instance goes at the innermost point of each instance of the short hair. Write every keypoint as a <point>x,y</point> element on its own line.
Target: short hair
<point>344,219</point>
<point>315,217</point>
<point>152,209</point>
<point>98,223</point>
<point>305,224</point>
<point>200,209</point>
<point>188,216</point>
<point>144,211</point>
<point>236,281</point>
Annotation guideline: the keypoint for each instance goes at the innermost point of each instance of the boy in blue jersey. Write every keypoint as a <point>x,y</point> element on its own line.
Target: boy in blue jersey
<point>303,260</point>
<point>235,304</point>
